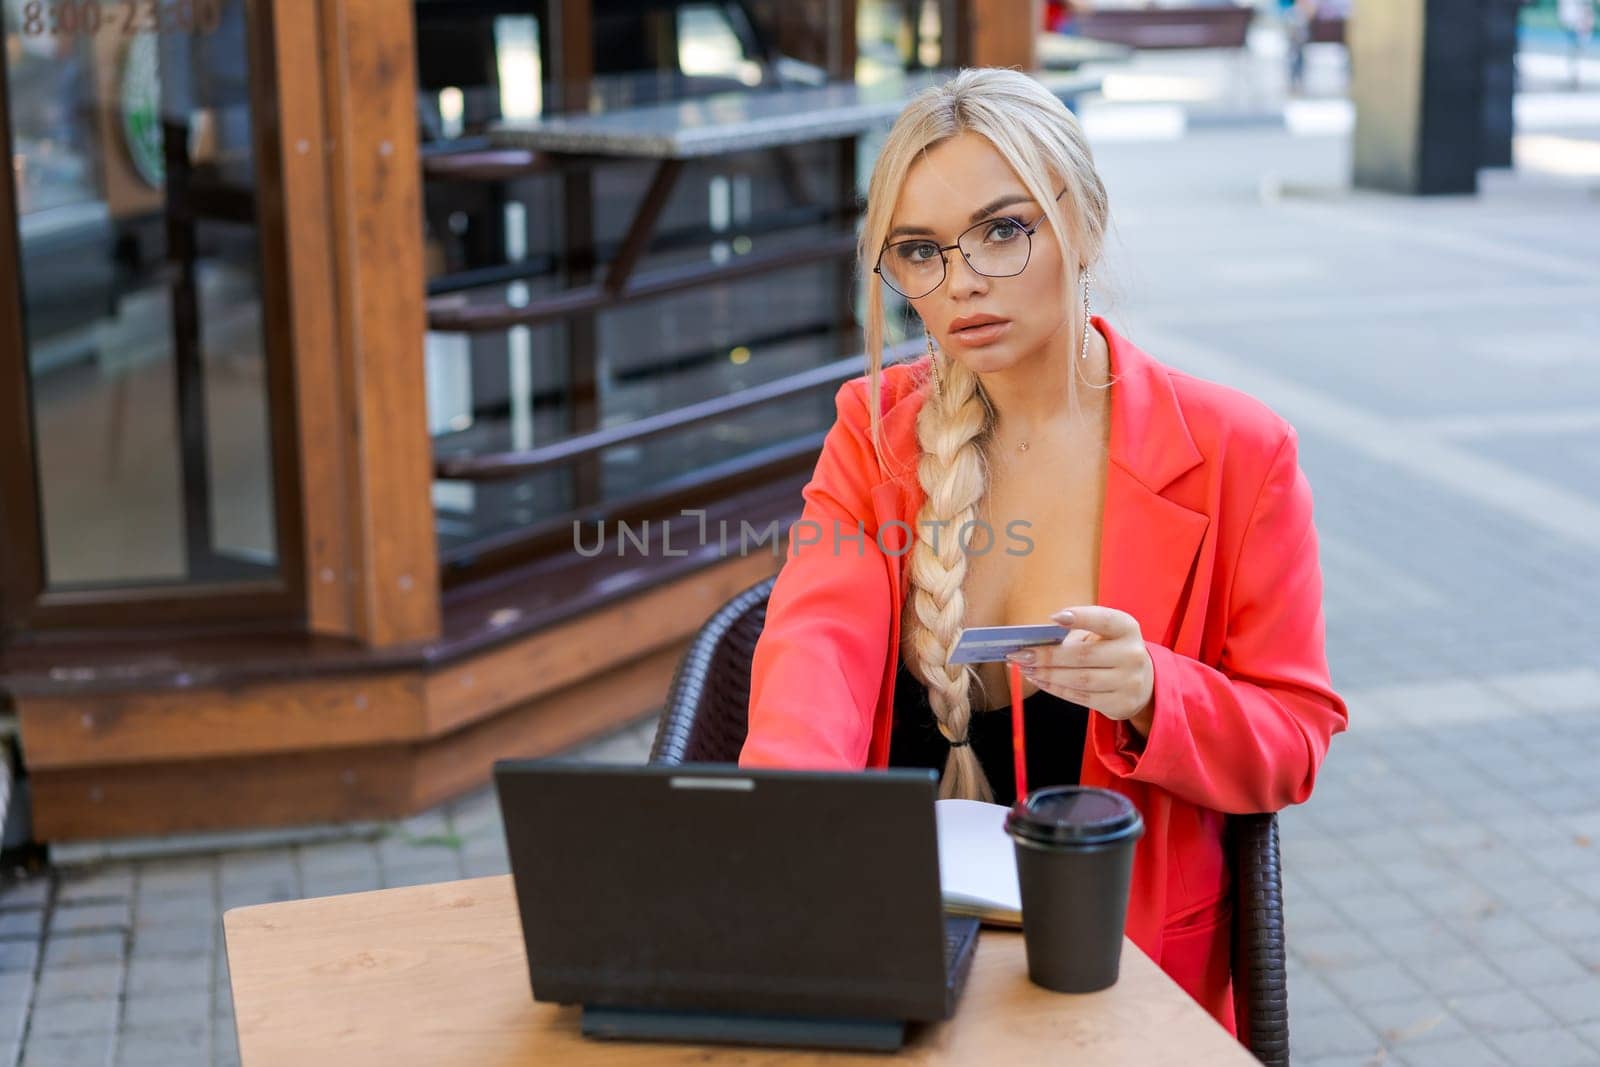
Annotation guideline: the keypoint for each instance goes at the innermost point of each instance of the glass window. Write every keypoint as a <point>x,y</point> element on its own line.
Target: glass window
<point>501,239</point>
<point>141,290</point>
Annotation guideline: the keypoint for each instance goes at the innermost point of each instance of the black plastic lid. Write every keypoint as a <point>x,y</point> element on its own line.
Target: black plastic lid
<point>1074,815</point>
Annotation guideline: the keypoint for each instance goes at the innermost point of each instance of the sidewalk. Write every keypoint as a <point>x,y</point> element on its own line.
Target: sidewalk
<point>1164,95</point>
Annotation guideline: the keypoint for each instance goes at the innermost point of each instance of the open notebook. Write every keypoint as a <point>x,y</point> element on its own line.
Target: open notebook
<point>977,862</point>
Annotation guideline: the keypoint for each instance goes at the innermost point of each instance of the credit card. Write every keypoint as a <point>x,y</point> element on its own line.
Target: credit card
<point>990,644</point>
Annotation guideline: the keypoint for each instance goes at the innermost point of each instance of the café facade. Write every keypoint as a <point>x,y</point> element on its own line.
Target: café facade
<point>333,418</point>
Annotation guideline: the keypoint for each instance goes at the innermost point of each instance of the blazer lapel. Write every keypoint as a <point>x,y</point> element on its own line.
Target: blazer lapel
<point>1149,543</point>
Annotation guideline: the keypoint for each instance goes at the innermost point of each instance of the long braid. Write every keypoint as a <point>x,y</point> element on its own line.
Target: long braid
<point>952,427</point>
<point>1044,144</point>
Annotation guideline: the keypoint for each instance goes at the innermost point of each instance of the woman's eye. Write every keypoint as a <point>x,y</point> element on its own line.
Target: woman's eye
<point>1002,230</point>
<point>916,251</point>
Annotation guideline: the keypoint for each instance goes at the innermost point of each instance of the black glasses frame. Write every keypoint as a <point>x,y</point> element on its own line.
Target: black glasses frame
<point>944,261</point>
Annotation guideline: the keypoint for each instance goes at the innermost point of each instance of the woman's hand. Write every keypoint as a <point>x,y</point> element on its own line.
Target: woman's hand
<point>1102,664</point>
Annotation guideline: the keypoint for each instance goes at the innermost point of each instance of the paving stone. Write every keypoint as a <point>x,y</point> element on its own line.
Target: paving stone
<point>1542,965</point>
<point>1462,1052</point>
<point>27,923</point>
<point>174,910</point>
<point>187,877</point>
<point>1308,993</point>
<point>1571,1002</point>
<point>1460,899</point>
<point>70,919</point>
<point>25,893</point>
<point>1548,1047</point>
<point>1456,837</point>
<point>397,854</point>
<point>1305,914</point>
<point>172,1009</point>
<point>159,975</point>
<point>1409,1020</point>
<point>1498,932</point>
<point>1420,941</point>
<point>1462,975</point>
<point>196,938</point>
<point>16,987</point>
<point>91,980</point>
<point>1550,690</point>
<point>1331,1033</point>
<point>1575,920</point>
<point>338,882</point>
<point>338,857</point>
<point>1335,883</point>
<point>1417,874</point>
<point>1377,910</point>
<point>1571,799</point>
<point>18,956</point>
<point>13,1020</point>
<point>1587,885</point>
<point>73,1017</point>
<point>99,884</point>
<point>225,1047</point>
<point>257,865</point>
<point>1314,855</point>
<point>484,864</point>
<point>1565,858</point>
<point>434,823</point>
<point>1334,948</point>
<point>1521,887</point>
<point>1587,953</point>
<point>1499,1012</point>
<point>188,1046</point>
<point>476,814</point>
<point>222,1002</point>
<point>439,870</point>
<point>89,1050</point>
<point>1366,983</point>
<point>1390,843</point>
<point>71,950</point>
<point>246,895</point>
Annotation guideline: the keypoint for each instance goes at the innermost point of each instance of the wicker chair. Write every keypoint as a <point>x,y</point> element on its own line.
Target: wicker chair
<point>704,722</point>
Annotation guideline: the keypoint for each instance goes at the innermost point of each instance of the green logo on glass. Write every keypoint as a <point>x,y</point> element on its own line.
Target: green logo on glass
<point>140,101</point>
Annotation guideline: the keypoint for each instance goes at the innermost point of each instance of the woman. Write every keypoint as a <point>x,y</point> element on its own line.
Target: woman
<point>1164,518</point>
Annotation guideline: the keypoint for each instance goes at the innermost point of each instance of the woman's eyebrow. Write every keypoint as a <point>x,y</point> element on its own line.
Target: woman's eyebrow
<point>977,216</point>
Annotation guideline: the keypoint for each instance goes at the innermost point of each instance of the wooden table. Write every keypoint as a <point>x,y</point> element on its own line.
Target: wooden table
<point>437,974</point>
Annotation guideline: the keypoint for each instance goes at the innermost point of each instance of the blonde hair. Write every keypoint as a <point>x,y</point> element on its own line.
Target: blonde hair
<point>1043,143</point>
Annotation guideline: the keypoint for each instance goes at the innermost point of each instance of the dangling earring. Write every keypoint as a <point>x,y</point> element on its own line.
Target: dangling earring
<point>1086,327</point>
<point>933,362</point>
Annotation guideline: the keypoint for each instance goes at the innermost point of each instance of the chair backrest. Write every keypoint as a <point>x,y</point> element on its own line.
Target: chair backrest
<point>708,703</point>
<point>706,718</point>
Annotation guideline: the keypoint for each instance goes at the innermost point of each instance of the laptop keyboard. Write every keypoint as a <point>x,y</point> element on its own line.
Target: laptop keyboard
<point>959,932</point>
<point>952,944</point>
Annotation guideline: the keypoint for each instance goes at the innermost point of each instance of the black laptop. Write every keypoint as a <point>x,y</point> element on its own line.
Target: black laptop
<point>709,903</point>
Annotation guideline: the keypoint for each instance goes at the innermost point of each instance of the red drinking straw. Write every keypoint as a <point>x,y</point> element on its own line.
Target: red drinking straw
<point>1018,749</point>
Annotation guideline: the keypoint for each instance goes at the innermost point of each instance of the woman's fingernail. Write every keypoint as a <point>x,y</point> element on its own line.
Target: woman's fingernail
<point>1021,657</point>
<point>1063,617</point>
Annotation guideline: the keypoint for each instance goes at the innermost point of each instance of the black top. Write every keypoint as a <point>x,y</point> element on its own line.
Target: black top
<point>1054,731</point>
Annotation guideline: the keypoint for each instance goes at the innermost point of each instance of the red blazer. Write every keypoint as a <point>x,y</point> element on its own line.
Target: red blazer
<point>1207,541</point>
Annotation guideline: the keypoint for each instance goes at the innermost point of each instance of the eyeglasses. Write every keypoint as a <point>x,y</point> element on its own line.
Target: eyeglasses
<point>995,248</point>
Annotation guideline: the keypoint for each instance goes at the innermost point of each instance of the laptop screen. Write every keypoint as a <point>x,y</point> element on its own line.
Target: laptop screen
<point>712,888</point>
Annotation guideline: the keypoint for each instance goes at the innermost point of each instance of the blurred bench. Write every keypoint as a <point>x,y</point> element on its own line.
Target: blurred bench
<point>1213,26</point>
